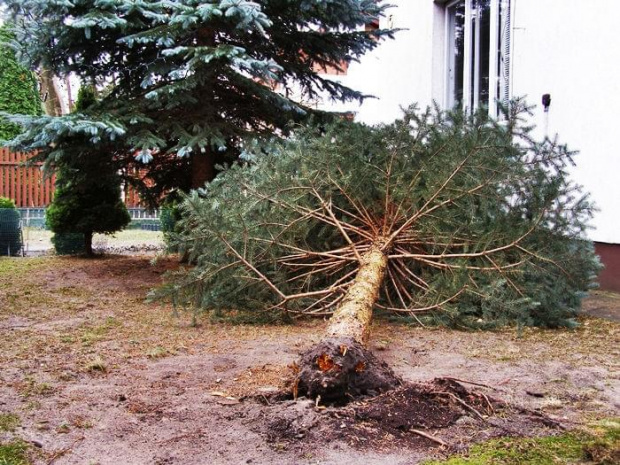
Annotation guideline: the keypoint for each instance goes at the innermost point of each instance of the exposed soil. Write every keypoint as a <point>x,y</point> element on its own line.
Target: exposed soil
<point>416,417</point>
<point>98,376</point>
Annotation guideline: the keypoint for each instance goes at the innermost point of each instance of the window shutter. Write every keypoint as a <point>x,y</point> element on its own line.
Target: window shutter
<point>504,49</point>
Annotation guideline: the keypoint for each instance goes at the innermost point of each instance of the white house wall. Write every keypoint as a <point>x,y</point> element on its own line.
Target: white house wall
<point>398,72</point>
<point>571,50</point>
<point>567,48</point>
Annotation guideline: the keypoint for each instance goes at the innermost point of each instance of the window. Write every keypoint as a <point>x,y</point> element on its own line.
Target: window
<point>478,53</point>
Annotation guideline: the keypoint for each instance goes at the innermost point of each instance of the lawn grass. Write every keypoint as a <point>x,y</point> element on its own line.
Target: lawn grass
<point>598,445</point>
<point>14,453</point>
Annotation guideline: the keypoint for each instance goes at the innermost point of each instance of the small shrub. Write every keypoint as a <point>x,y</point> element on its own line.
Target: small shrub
<point>68,243</point>
<point>7,203</point>
<point>87,199</point>
<point>169,217</point>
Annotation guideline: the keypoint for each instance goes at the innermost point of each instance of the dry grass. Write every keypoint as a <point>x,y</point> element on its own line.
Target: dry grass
<point>70,321</point>
<point>67,312</point>
<point>595,341</point>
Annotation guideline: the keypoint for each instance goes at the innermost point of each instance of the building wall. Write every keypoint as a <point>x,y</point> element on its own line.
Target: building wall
<point>609,277</point>
<point>399,72</point>
<point>570,49</point>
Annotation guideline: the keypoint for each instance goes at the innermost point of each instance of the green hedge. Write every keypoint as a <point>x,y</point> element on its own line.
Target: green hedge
<point>18,87</point>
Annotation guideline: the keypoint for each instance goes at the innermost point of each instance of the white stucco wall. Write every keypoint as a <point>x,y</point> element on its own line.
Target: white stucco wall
<point>398,72</point>
<point>571,50</point>
<point>567,48</point>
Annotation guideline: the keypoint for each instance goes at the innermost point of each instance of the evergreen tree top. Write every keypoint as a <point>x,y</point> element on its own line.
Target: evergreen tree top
<point>190,75</point>
<point>18,87</point>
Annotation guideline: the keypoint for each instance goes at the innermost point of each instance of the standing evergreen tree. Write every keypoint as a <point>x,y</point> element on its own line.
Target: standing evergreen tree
<point>190,80</point>
<point>440,216</point>
<point>87,199</point>
<point>18,87</point>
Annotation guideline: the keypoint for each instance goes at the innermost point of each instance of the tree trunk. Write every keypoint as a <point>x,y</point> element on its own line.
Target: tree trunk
<point>340,366</point>
<point>353,316</point>
<point>88,244</point>
<point>49,93</point>
<point>203,168</point>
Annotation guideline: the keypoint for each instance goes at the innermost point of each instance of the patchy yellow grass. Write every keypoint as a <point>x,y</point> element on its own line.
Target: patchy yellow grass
<point>69,311</point>
<point>595,341</point>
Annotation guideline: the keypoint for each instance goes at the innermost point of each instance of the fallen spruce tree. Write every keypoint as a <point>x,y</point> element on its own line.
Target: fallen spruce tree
<point>460,220</point>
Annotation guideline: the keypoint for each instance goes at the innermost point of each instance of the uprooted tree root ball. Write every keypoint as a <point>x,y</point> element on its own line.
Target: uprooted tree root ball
<point>340,369</point>
<point>415,415</point>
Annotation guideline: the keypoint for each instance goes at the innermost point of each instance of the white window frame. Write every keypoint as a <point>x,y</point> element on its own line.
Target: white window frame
<point>499,78</point>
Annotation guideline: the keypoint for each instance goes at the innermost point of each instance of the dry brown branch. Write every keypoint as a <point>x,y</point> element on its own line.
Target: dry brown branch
<point>327,208</point>
<point>316,270</point>
<point>473,383</point>
<point>397,286</point>
<point>407,274</point>
<point>253,268</point>
<point>428,436</point>
<point>351,214</point>
<point>506,277</point>
<point>58,454</point>
<point>415,217</point>
<point>306,253</point>
<point>419,282</point>
<point>340,253</point>
<point>543,259</point>
<point>429,258</point>
<point>302,295</point>
<point>310,212</point>
<point>423,309</point>
<point>464,404</point>
<point>415,178</point>
<point>325,309</point>
<point>386,207</point>
<point>370,222</point>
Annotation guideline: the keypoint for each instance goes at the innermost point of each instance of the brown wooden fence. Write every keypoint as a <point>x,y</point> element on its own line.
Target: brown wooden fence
<point>29,188</point>
<point>26,185</point>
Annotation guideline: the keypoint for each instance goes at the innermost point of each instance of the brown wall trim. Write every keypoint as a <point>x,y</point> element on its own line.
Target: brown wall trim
<point>609,278</point>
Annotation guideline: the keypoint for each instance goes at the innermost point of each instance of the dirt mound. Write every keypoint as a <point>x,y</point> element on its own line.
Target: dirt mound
<point>423,406</point>
<point>418,416</point>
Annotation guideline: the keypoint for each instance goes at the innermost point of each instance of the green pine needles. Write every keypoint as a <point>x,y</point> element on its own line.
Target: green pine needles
<point>189,80</point>
<point>479,223</point>
<point>87,199</point>
<point>18,87</point>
